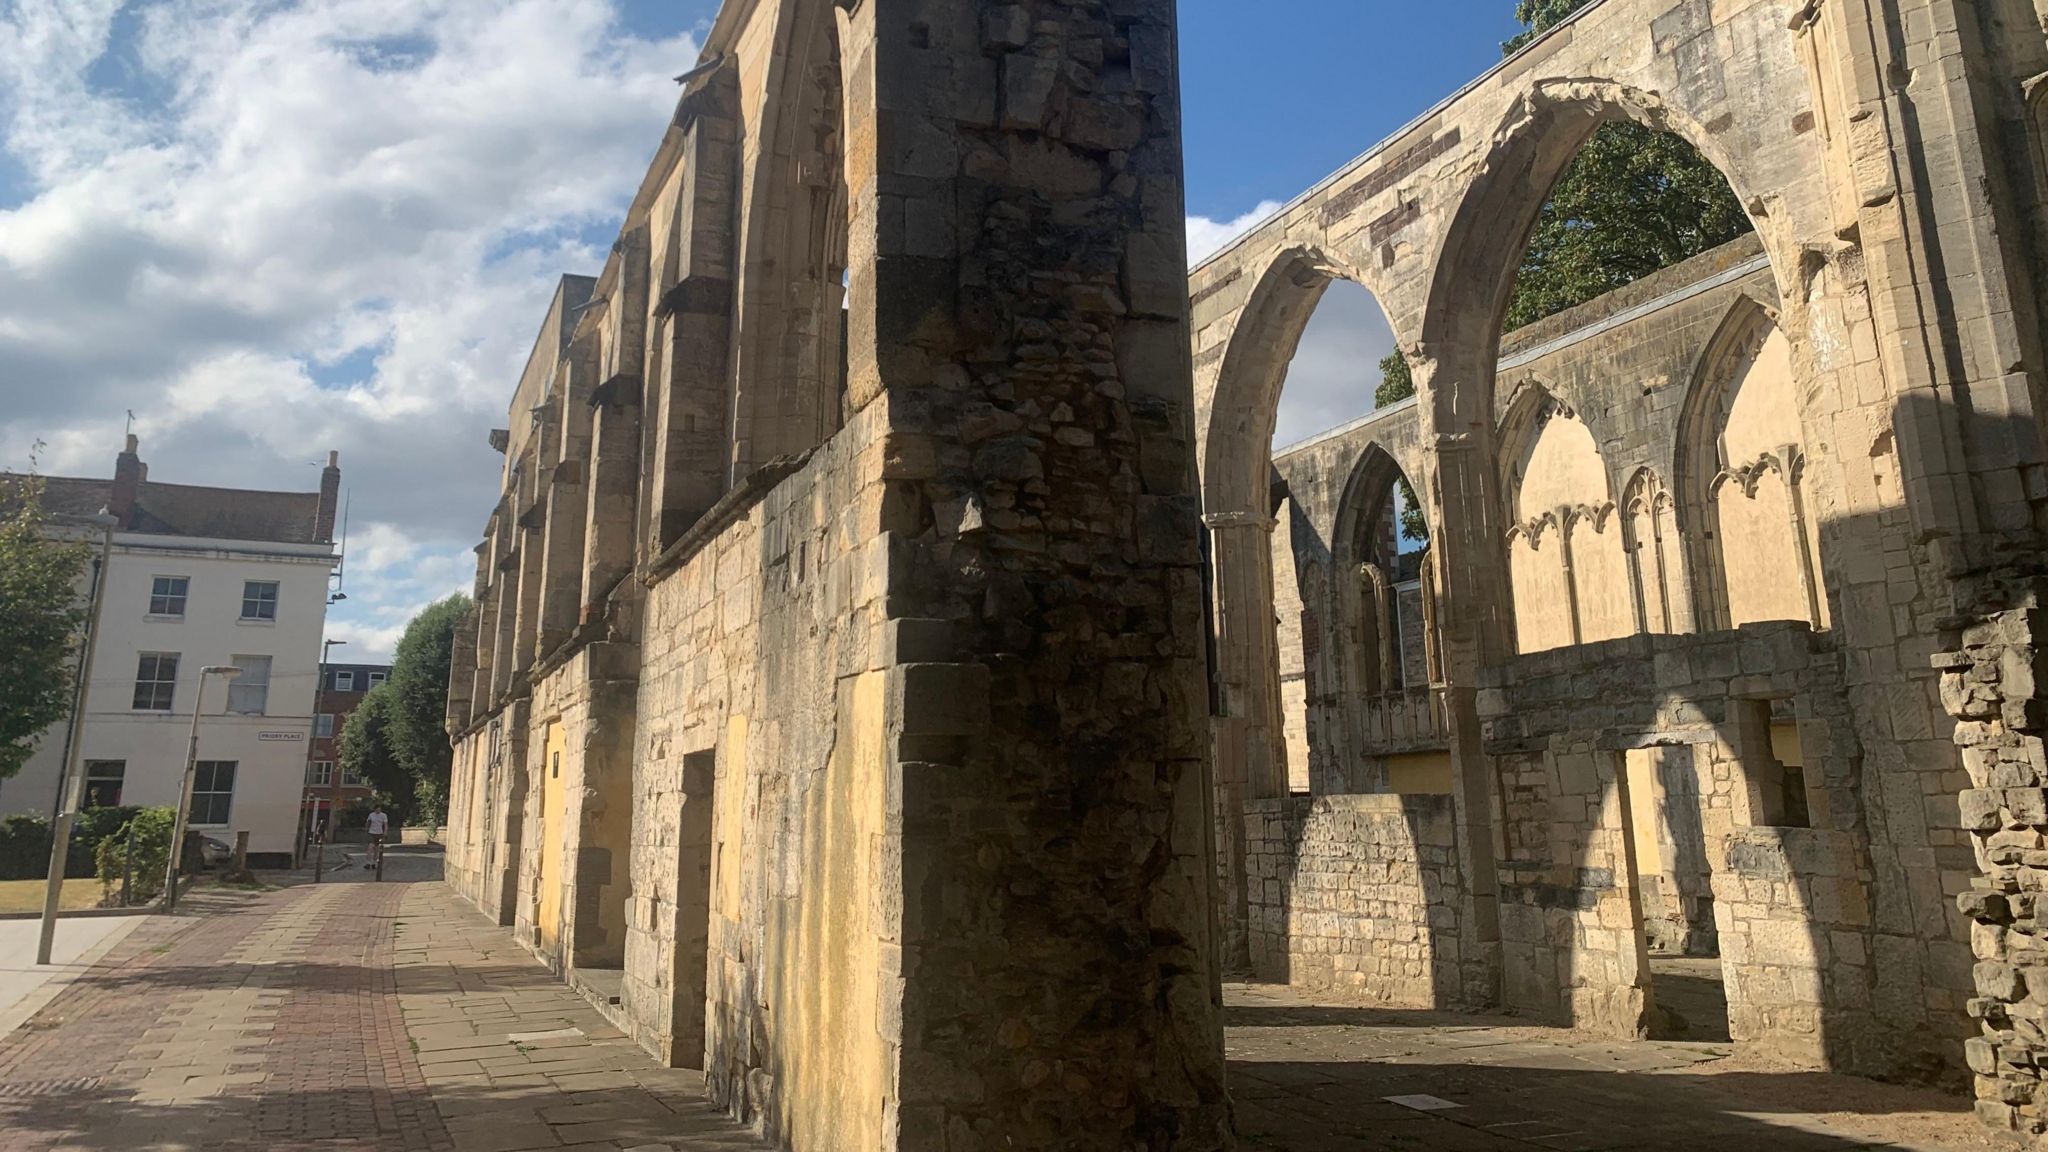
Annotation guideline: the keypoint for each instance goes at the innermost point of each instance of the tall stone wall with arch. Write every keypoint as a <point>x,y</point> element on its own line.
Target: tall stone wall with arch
<point>1828,429</point>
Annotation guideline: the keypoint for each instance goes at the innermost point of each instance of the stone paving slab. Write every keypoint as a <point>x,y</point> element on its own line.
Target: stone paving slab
<point>1309,1074</point>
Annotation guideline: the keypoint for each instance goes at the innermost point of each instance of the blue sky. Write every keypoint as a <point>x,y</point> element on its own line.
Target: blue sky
<point>273,229</point>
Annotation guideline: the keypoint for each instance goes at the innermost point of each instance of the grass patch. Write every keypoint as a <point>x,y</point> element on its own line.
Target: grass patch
<point>27,895</point>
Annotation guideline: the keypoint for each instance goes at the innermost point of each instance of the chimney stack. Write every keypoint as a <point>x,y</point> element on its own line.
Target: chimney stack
<point>330,499</point>
<point>129,473</point>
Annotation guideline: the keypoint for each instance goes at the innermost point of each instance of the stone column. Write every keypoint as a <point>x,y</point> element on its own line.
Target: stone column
<point>1020,314</point>
<point>612,487</point>
<point>1476,630</point>
<point>1251,756</point>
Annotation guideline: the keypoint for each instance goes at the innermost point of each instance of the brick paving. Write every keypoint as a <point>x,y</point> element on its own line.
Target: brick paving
<point>340,1017</point>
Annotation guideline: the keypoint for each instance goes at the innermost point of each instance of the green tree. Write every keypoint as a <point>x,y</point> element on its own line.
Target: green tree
<point>40,617</point>
<point>419,708</point>
<point>367,753</point>
<point>396,739</point>
<point>1632,201</point>
<point>1396,384</point>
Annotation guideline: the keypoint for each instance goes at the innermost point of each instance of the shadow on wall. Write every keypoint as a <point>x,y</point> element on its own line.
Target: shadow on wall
<point>1362,894</point>
<point>1818,872</point>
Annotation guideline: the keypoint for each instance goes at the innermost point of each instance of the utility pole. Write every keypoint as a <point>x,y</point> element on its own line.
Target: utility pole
<point>185,792</point>
<point>74,741</point>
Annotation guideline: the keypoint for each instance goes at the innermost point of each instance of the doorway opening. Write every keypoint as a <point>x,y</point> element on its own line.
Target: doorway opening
<point>1673,877</point>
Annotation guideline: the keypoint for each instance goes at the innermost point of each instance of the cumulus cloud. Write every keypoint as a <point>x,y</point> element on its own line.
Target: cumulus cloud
<point>274,230</point>
<point>1336,367</point>
<point>1206,236</point>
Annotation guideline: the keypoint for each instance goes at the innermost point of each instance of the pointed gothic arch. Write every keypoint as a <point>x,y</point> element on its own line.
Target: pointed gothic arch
<point>1752,547</point>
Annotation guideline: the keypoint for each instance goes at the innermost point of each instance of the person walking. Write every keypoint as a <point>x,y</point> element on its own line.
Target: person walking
<point>376,825</point>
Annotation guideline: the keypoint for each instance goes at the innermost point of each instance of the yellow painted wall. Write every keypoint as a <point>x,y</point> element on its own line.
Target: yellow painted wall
<point>1559,468</point>
<point>826,981</point>
<point>1760,540</point>
<point>1786,746</point>
<point>554,821</point>
<point>1542,610</point>
<point>1607,608</point>
<point>1760,552</point>
<point>1420,773</point>
<point>1645,801</point>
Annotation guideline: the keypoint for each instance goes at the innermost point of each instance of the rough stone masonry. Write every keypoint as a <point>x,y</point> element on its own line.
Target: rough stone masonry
<point>875,695</point>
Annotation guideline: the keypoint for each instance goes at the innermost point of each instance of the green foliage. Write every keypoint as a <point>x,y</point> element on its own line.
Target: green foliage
<point>1632,201</point>
<point>1397,383</point>
<point>1537,15</point>
<point>40,617</point>
<point>25,843</point>
<point>366,752</point>
<point>153,828</point>
<point>397,739</point>
<point>419,710</point>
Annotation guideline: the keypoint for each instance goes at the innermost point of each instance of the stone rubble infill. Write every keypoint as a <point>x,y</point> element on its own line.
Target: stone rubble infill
<point>340,1017</point>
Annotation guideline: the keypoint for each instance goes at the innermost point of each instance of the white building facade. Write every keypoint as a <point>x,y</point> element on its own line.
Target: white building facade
<point>199,577</point>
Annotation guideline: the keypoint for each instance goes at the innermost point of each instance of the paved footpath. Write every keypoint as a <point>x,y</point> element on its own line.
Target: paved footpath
<point>355,1015</point>
<point>344,1016</point>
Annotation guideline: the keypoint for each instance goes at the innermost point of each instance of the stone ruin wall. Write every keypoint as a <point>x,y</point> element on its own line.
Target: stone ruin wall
<point>1034,495</point>
<point>1360,894</point>
<point>1991,684</point>
<point>1821,969</point>
<point>907,722</point>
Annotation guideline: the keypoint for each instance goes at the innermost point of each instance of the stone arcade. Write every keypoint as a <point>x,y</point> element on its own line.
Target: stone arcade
<point>856,705</point>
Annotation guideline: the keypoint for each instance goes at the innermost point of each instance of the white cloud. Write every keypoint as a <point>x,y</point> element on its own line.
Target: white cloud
<point>1207,237</point>
<point>273,230</point>
<point>1335,369</point>
<point>1336,366</point>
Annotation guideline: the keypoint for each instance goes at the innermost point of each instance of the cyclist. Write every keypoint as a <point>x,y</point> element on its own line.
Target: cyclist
<point>376,825</point>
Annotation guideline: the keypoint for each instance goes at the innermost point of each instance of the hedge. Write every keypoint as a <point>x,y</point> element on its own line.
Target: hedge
<point>25,843</point>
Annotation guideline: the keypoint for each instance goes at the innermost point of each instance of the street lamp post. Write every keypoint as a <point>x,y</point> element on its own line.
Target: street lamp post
<point>185,792</point>
<point>74,739</point>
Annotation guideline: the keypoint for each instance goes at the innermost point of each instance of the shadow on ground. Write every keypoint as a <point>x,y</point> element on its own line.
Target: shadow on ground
<point>1310,1077</point>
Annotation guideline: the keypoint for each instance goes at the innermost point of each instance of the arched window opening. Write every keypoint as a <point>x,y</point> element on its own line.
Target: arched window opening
<point>1392,591</point>
<point>1300,367</point>
<point>1567,566</point>
<point>1743,457</point>
<point>1656,567</point>
<point>822,277</point>
<point>1634,200</point>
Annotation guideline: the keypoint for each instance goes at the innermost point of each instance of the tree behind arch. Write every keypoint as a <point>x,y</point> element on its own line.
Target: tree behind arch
<point>1633,200</point>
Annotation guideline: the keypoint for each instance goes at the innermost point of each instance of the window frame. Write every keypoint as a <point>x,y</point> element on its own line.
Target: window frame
<point>207,772</point>
<point>373,679</point>
<point>345,681</point>
<point>158,684</point>
<point>323,725</point>
<point>182,597</point>
<point>256,599</point>
<point>237,705</point>
<point>317,778</point>
<point>119,779</point>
